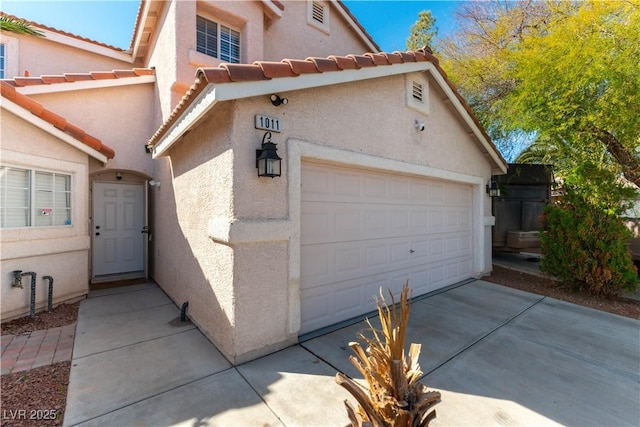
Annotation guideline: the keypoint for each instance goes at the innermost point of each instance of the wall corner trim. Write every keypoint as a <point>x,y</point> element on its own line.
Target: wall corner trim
<point>237,231</point>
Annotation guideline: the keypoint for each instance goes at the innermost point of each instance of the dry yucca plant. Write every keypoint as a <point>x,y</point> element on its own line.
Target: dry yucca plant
<point>394,397</point>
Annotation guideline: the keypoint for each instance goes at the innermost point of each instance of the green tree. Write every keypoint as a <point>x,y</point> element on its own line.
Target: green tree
<point>423,31</point>
<point>12,25</point>
<point>564,73</point>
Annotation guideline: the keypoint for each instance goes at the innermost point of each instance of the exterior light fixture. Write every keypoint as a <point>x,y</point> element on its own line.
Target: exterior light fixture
<point>267,160</point>
<point>277,101</point>
<point>493,190</point>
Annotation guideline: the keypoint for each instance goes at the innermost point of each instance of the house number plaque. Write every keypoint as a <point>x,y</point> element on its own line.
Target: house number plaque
<point>267,123</point>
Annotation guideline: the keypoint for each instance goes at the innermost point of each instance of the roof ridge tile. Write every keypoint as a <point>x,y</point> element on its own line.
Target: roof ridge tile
<point>344,63</point>
<point>244,72</point>
<point>324,64</point>
<point>362,61</point>
<point>273,70</point>
<point>301,66</point>
<point>377,58</point>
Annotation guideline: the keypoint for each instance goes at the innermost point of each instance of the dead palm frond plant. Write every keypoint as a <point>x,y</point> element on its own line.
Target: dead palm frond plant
<point>394,396</point>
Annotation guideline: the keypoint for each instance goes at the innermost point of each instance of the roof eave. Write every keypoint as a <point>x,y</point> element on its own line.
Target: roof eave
<point>198,108</point>
<point>27,116</point>
<point>109,52</point>
<point>85,84</point>
<point>468,119</point>
<point>357,27</point>
<point>212,93</point>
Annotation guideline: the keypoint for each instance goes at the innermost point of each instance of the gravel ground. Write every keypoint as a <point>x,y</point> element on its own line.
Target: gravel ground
<point>37,397</point>
<point>42,392</point>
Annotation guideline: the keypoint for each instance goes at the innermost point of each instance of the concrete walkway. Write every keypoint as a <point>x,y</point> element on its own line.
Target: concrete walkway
<point>499,356</point>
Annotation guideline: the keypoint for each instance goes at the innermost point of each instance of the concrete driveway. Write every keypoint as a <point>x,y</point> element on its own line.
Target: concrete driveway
<point>498,356</point>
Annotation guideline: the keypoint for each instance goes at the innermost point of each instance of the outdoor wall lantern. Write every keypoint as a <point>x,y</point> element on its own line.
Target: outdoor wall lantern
<point>267,160</point>
<point>493,190</point>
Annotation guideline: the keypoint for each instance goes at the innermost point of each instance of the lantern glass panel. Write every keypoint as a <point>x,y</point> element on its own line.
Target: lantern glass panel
<point>273,167</point>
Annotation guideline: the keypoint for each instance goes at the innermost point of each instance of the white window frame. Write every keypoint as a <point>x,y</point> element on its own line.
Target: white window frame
<point>11,53</point>
<point>220,28</point>
<point>417,90</point>
<point>32,208</point>
<point>323,26</point>
<point>3,60</point>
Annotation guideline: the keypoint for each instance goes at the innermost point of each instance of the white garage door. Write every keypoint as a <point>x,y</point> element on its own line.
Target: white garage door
<point>365,230</point>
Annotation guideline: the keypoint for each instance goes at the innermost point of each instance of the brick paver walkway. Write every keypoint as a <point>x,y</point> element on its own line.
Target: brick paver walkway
<point>38,348</point>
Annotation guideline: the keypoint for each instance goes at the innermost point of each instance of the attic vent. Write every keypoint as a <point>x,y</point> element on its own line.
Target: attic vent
<point>317,12</point>
<point>417,91</point>
<point>318,15</point>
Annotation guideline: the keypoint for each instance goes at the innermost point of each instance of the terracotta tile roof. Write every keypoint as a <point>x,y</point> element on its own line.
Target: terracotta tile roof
<point>9,92</point>
<point>75,77</point>
<point>64,33</point>
<point>265,70</point>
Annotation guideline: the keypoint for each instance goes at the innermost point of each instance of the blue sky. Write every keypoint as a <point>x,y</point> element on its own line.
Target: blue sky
<point>111,22</point>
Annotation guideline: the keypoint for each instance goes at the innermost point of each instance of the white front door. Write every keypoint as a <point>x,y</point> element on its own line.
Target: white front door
<point>118,222</point>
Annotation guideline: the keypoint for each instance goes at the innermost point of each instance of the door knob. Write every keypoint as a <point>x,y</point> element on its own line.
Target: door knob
<point>411,251</point>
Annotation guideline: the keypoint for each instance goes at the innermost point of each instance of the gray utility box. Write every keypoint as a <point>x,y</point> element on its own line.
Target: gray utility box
<point>524,192</point>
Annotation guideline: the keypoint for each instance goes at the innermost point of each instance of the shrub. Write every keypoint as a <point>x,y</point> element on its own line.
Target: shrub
<point>585,244</point>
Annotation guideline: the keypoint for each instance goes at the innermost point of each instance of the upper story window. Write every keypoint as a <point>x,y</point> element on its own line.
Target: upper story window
<point>31,198</point>
<point>217,40</point>
<point>2,61</point>
<point>318,15</point>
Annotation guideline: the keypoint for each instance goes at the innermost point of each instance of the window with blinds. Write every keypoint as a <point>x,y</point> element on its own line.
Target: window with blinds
<point>30,198</point>
<point>218,41</point>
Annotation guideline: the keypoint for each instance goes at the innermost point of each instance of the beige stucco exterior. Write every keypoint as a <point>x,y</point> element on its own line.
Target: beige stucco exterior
<point>264,36</point>
<point>223,239</point>
<point>57,54</point>
<point>239,234</point>
<point>61,252</point>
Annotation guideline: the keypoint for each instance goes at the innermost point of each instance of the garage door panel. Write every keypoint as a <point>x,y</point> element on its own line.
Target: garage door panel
<point>315,262</point>
<point>362,231</point>
<point>347,260</point>
<point>316,182</point>
<point>322,222</point>
<point>315,304</point>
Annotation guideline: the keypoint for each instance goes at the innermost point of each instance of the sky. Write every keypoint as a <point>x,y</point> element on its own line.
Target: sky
<point>111,22</point>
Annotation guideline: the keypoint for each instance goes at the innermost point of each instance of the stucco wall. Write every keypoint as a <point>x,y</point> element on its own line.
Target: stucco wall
<point>280,43</point>
<point>163,58</point>
<point>40,56</point>
<point>174,55</point>
<point>367,117</point>
<point>121,117</point>
<point>249,224</point>
<point>61,252</point>
<point>196,185</point>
